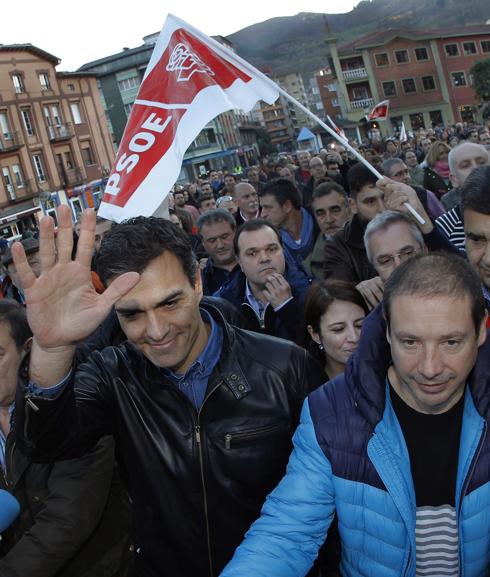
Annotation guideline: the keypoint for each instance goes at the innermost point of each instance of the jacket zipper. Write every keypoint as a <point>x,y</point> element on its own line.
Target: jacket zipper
<point>30,405</point>
<point>467,482</point>
<point>245,435</point>
<point>197,430</point>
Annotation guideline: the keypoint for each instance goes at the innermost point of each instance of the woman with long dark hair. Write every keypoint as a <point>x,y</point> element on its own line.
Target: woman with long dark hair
<point>333,315</point>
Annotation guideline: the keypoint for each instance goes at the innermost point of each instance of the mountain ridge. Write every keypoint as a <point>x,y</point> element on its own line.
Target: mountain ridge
<point>298,43</point>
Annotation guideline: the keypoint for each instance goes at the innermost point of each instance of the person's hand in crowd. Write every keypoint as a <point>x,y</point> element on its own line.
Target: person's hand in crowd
<point>62,305</point>
<point>277,290</point>
<point>202,263</point>
<point>396,194</point>
<point>372,291</point>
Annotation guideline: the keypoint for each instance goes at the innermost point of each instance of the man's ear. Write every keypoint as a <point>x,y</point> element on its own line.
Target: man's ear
<point>352,205</point>
<point>454,180</point>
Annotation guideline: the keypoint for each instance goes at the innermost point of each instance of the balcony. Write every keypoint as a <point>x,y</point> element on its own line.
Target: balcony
<point>71,176</point>
<point>355,74</point>
<point>361,104</point>
<point>60,132</point>
<point>10,141</point>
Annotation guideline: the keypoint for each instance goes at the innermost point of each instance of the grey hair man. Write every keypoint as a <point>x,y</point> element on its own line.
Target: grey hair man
<point>391,238</point>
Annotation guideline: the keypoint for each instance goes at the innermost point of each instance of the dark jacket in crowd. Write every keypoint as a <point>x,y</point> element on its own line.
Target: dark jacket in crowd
<point>197,479</point>
<point>213,277</point>
<point>435,183</point>
<point>345,255</point>
<point>74,520</point>
<point>283,323</point>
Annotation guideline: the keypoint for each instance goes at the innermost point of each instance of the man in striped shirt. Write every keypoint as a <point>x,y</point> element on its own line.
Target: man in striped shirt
<point>463,159</point>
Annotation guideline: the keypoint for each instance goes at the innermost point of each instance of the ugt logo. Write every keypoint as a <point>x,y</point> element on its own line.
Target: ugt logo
<point>186,63</point>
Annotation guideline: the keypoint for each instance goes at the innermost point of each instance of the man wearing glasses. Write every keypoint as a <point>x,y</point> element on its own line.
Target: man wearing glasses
<point>391,238</point>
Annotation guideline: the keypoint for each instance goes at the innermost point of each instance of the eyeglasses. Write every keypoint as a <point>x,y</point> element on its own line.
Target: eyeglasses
<point>222,199</point>
<point>406,253</point>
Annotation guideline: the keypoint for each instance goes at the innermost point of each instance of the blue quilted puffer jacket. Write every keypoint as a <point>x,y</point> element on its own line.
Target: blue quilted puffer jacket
<point>350,457</point>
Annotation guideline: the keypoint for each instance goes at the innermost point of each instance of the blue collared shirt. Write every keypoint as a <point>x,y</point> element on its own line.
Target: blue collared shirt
<point>3,440</point>
<point>193,383</point>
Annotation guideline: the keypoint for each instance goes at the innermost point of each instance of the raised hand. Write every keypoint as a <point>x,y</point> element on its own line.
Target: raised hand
<point>397,194</point>
<point>62,305</point>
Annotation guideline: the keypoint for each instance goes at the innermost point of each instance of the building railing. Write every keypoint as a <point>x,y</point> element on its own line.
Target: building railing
<point>354,74</point>
<point>74,175</point>
<point>361,104</point>
<point>10,141</point>
<point>60,132</point>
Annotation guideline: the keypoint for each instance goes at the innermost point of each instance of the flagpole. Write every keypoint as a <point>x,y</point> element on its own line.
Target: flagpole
<point>345,143</point>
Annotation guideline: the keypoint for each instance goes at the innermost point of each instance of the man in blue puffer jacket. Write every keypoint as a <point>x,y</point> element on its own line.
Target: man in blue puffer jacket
<point>397,446</point>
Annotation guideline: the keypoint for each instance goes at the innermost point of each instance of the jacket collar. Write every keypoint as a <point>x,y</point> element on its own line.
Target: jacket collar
<point>227,369</point>
<point>367,368</point>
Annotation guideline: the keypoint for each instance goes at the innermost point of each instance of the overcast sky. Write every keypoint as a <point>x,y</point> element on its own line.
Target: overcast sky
<point>84,31</point>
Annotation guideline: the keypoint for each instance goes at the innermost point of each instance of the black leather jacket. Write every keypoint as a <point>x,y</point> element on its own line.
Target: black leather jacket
<point>197,479</point>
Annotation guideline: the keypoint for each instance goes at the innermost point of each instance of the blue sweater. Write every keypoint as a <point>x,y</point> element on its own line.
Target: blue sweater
<point>350,457</point>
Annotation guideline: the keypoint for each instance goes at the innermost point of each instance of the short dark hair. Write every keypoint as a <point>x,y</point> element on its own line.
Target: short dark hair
<point>475,192</point>
<point>326,188</point>
<point>134,243</point>
<point>214,216</point>
<point>282,189</point>
<point>318,299</point>
<point>203,198</point>
<point>252,225</point>
<point>439,274</point>
<point>14,314</point>
<point>358,176</point>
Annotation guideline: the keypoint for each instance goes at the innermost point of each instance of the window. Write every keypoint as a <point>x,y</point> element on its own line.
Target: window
<point>332,87</point>
<point>39,167</point>
<point>19,179</point>
<point>401,56</point>
<point>359,93</point>
<point>18,83</point>
<point>436,117</point>
<point>128,83</point>
<point>68,160</point>
<point>389,88</point>
<point>417,121</point>
<point>421,53</point>
<point>335,102</point>
<point>127,108</point>
<point>44,81</point>
<point>75,112</point>
<point>26,119</point>
<point>469,48</point>
<point>71,87</point>
<point>458,78</point>
<point>409,86</point>
<point>428,83</point>
<point>87,156</point>
<point>4,126</point>
<point>485,46</point>
<point>381,59</point>
<point>7,179</point>
<point>451,49</point>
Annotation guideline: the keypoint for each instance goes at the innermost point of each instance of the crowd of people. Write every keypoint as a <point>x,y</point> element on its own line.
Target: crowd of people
<point>288,376</point>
